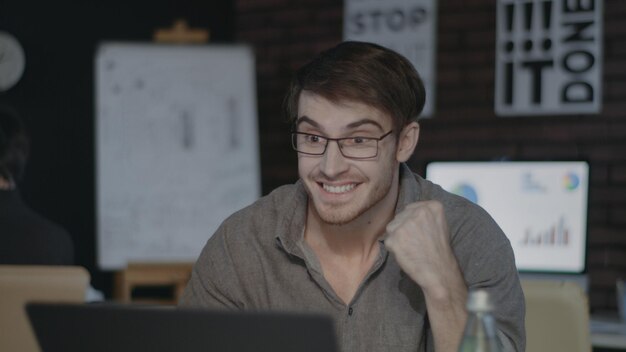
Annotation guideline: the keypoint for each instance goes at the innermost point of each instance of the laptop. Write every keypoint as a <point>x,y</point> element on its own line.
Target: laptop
<point>125,328</point>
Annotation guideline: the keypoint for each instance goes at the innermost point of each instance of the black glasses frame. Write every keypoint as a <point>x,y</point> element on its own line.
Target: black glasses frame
<point>294,144</point>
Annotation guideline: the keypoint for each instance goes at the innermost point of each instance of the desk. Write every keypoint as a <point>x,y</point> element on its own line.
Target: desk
<point>607,333</point>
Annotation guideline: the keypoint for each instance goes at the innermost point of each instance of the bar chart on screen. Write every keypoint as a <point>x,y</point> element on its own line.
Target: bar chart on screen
<point>558,235</point>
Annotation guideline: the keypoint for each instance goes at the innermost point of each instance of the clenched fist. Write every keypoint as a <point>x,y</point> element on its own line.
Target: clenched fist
<point>420,240</point>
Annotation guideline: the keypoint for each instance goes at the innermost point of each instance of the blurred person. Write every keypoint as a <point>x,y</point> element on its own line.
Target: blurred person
<point>25,236</point>
<point>360,237</point>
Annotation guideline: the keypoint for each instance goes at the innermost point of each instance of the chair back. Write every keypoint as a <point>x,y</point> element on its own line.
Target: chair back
<point>20,284</point>
<point>557,317</point>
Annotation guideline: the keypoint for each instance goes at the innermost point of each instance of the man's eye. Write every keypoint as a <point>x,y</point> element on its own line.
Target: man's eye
<point>356,141</point>
<point>313,139</point>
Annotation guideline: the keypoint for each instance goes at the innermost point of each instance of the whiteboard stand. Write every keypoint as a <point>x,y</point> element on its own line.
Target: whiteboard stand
<point>180,33</point>
<point>146,275</point>
<point>175,275</point>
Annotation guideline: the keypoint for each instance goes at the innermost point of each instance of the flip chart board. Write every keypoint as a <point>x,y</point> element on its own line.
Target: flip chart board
<point>176,147</point>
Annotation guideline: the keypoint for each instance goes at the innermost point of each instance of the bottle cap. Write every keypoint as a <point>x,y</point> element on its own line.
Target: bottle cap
<point>478,301</point>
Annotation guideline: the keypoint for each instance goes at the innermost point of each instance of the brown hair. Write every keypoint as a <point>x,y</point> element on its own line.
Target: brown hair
<point>365,73</point>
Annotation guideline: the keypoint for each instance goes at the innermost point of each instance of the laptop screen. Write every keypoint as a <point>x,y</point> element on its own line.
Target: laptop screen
<point>541,207</point>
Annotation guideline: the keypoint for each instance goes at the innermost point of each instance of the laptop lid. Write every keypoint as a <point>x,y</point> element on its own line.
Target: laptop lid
<point>126,328</point>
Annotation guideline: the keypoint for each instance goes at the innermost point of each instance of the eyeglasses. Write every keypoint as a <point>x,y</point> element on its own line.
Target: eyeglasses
<point>350,147</point>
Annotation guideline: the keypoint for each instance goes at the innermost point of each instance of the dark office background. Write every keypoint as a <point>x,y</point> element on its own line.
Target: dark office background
<point>55,97</point>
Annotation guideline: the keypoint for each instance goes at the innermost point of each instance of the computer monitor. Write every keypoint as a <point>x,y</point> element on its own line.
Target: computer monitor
<point>541,206</point>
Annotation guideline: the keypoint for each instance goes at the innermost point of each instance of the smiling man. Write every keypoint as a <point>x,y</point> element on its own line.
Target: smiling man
<point>389,255</point>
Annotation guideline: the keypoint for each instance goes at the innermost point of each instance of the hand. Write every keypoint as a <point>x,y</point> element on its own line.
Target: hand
<point>420,240</point>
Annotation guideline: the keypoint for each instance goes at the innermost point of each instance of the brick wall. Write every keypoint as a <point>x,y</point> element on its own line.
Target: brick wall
<point>285,34</point>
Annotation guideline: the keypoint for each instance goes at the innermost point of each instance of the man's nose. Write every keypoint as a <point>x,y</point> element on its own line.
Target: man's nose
<point>333,162</point>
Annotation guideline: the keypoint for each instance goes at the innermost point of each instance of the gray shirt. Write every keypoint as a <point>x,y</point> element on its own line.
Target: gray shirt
<point>258,260</point>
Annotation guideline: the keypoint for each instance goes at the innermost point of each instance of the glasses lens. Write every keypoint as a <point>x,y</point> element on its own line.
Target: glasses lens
<point>309,143</point>
<point>359,147</point>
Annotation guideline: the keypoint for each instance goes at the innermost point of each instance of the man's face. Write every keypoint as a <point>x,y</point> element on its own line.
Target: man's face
<point>342,189</point>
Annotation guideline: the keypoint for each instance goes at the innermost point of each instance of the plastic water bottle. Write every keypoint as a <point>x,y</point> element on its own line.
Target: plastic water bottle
<point>480,330</point>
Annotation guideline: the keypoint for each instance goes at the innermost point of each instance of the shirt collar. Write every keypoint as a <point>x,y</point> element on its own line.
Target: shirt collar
<point>409,190</point>
<point>290,231</point>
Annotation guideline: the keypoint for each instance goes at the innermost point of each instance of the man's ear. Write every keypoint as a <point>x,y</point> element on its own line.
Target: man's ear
<point>407,141</point>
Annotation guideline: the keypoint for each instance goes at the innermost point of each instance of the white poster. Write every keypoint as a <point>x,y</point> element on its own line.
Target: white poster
<point>176,147</point>
<point>406,26</point>
<point>548,57</point>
